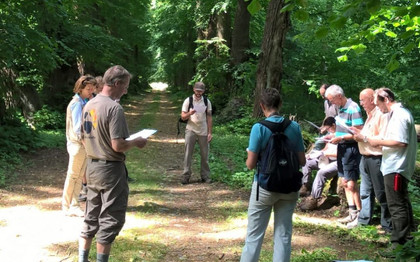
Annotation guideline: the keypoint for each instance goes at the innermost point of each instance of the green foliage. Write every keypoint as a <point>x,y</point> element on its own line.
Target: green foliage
<point>227,159</point>
<point>16,138</point>
<point>236,127</point>
<point>49,119</point>
<point>320,254</point>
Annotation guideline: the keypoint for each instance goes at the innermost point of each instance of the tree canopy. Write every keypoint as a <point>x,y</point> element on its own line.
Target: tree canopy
<point>47,45</point>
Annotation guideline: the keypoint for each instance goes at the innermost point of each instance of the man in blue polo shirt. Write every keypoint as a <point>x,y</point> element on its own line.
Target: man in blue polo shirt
<point>348,156</point>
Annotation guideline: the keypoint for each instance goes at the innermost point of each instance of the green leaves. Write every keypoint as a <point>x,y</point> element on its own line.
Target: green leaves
<point>393,64</point>
<point>254,7</point>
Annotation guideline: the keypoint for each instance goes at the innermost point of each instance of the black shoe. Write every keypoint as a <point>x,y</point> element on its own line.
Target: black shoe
<point>185,181</point>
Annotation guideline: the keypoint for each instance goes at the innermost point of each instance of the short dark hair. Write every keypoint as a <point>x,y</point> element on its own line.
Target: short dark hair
<point>383,92</point>
<point>271,98</point>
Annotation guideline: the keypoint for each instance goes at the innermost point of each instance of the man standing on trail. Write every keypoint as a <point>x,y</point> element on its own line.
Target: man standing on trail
<point>197,110</point>
<point>348,156</point>
<point>372,182</point>
<point>399,150</point>
<point>104,132</point>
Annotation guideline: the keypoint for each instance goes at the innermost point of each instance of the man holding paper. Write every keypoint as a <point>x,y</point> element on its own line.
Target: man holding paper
<point>104,131</point>
<point>348,155</point>
<point>197,110</point>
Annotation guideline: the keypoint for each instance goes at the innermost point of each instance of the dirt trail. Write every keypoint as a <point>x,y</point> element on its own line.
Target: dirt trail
<point>194,220</point>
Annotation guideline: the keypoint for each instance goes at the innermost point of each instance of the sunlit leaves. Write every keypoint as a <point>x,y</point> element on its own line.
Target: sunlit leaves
<point>254,7</point>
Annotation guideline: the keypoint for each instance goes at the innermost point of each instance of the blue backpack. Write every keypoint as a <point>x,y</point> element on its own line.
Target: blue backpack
<point>278,165</point>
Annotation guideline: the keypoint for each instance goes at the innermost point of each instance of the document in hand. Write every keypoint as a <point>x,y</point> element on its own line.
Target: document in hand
<point>145,133</point>
<point>342,123</point>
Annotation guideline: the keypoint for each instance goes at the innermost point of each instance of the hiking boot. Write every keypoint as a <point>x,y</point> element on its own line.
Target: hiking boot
<point>353,214</point>
<point>185,181</point>
<point>305,190</point>
<point>309,204</point>
<point>354,223</point>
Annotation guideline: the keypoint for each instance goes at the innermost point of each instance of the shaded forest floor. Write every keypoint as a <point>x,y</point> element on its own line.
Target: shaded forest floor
<point>166,221</point>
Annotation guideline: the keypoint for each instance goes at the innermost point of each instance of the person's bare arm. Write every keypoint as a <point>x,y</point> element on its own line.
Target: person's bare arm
<point>389,143</point>
<point>122,145</point>
<point>301,158</point>
<point>209,127</point>
<point>186,115</point>
<point>251,161</point>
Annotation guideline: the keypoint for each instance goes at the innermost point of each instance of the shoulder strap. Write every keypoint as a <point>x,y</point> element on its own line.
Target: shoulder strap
<point>191,103</point>
<point>276,127</point>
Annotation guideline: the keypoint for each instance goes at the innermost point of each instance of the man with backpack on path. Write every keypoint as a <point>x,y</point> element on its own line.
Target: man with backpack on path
<point>272,190</point>
<point>196,110</point>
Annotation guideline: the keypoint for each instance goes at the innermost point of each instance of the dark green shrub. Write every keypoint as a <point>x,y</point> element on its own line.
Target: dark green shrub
<point>49,119</point>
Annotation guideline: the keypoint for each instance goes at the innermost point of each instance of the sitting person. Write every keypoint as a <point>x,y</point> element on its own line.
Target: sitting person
<point>325,161</point>
<point>317,155</point>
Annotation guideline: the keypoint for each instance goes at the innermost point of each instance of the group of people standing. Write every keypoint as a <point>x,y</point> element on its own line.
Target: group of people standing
<point>381,151</point>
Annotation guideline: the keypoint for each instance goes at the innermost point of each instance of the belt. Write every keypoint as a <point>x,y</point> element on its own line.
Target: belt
<point>372,156</point>
<point>103,161</point>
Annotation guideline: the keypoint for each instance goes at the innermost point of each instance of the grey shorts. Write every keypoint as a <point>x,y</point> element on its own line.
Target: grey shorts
<point>107,199</point>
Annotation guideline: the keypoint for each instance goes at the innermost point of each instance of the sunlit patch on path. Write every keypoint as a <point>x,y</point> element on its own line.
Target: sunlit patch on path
<point>159,86</point>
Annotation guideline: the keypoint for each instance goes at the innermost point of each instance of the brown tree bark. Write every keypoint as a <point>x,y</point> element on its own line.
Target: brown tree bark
<point>240,34</point>
<point>270,64</point>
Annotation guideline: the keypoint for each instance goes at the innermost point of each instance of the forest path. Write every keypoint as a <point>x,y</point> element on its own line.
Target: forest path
<point>194,222</point>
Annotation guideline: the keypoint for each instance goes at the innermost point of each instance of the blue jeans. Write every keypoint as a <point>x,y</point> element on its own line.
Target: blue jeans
<point>259,213</point>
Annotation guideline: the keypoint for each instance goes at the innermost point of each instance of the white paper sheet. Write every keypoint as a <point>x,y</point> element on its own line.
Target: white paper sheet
<point>145,133</point>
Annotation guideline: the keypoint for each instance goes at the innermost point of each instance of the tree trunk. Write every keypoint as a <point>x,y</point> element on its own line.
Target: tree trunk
<point>270,64</point>
<point>240,34</point>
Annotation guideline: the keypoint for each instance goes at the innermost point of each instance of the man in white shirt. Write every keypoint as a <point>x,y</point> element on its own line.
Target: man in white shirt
<point>197,110</point>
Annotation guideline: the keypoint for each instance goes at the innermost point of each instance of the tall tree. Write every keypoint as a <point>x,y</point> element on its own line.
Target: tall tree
<point>240,34</point>
<point>270,64</point>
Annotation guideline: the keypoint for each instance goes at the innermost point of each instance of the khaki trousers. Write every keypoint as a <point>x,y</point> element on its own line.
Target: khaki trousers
<point>75,172</point>
<point>190,139</point>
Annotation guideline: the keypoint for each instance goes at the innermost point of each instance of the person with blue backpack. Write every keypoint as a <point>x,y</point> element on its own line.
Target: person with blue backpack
<point>276,149</point>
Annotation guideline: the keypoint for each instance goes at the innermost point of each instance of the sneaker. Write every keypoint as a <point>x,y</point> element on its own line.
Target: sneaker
<point>353,214</point>
<point>309,204</point>
<point>354,223</point>
<point>74,212</point>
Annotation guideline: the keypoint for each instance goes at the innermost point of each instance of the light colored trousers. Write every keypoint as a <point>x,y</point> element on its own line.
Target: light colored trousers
<point>259,213</point>
<point>75,172</point>
<point>190,139</point>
